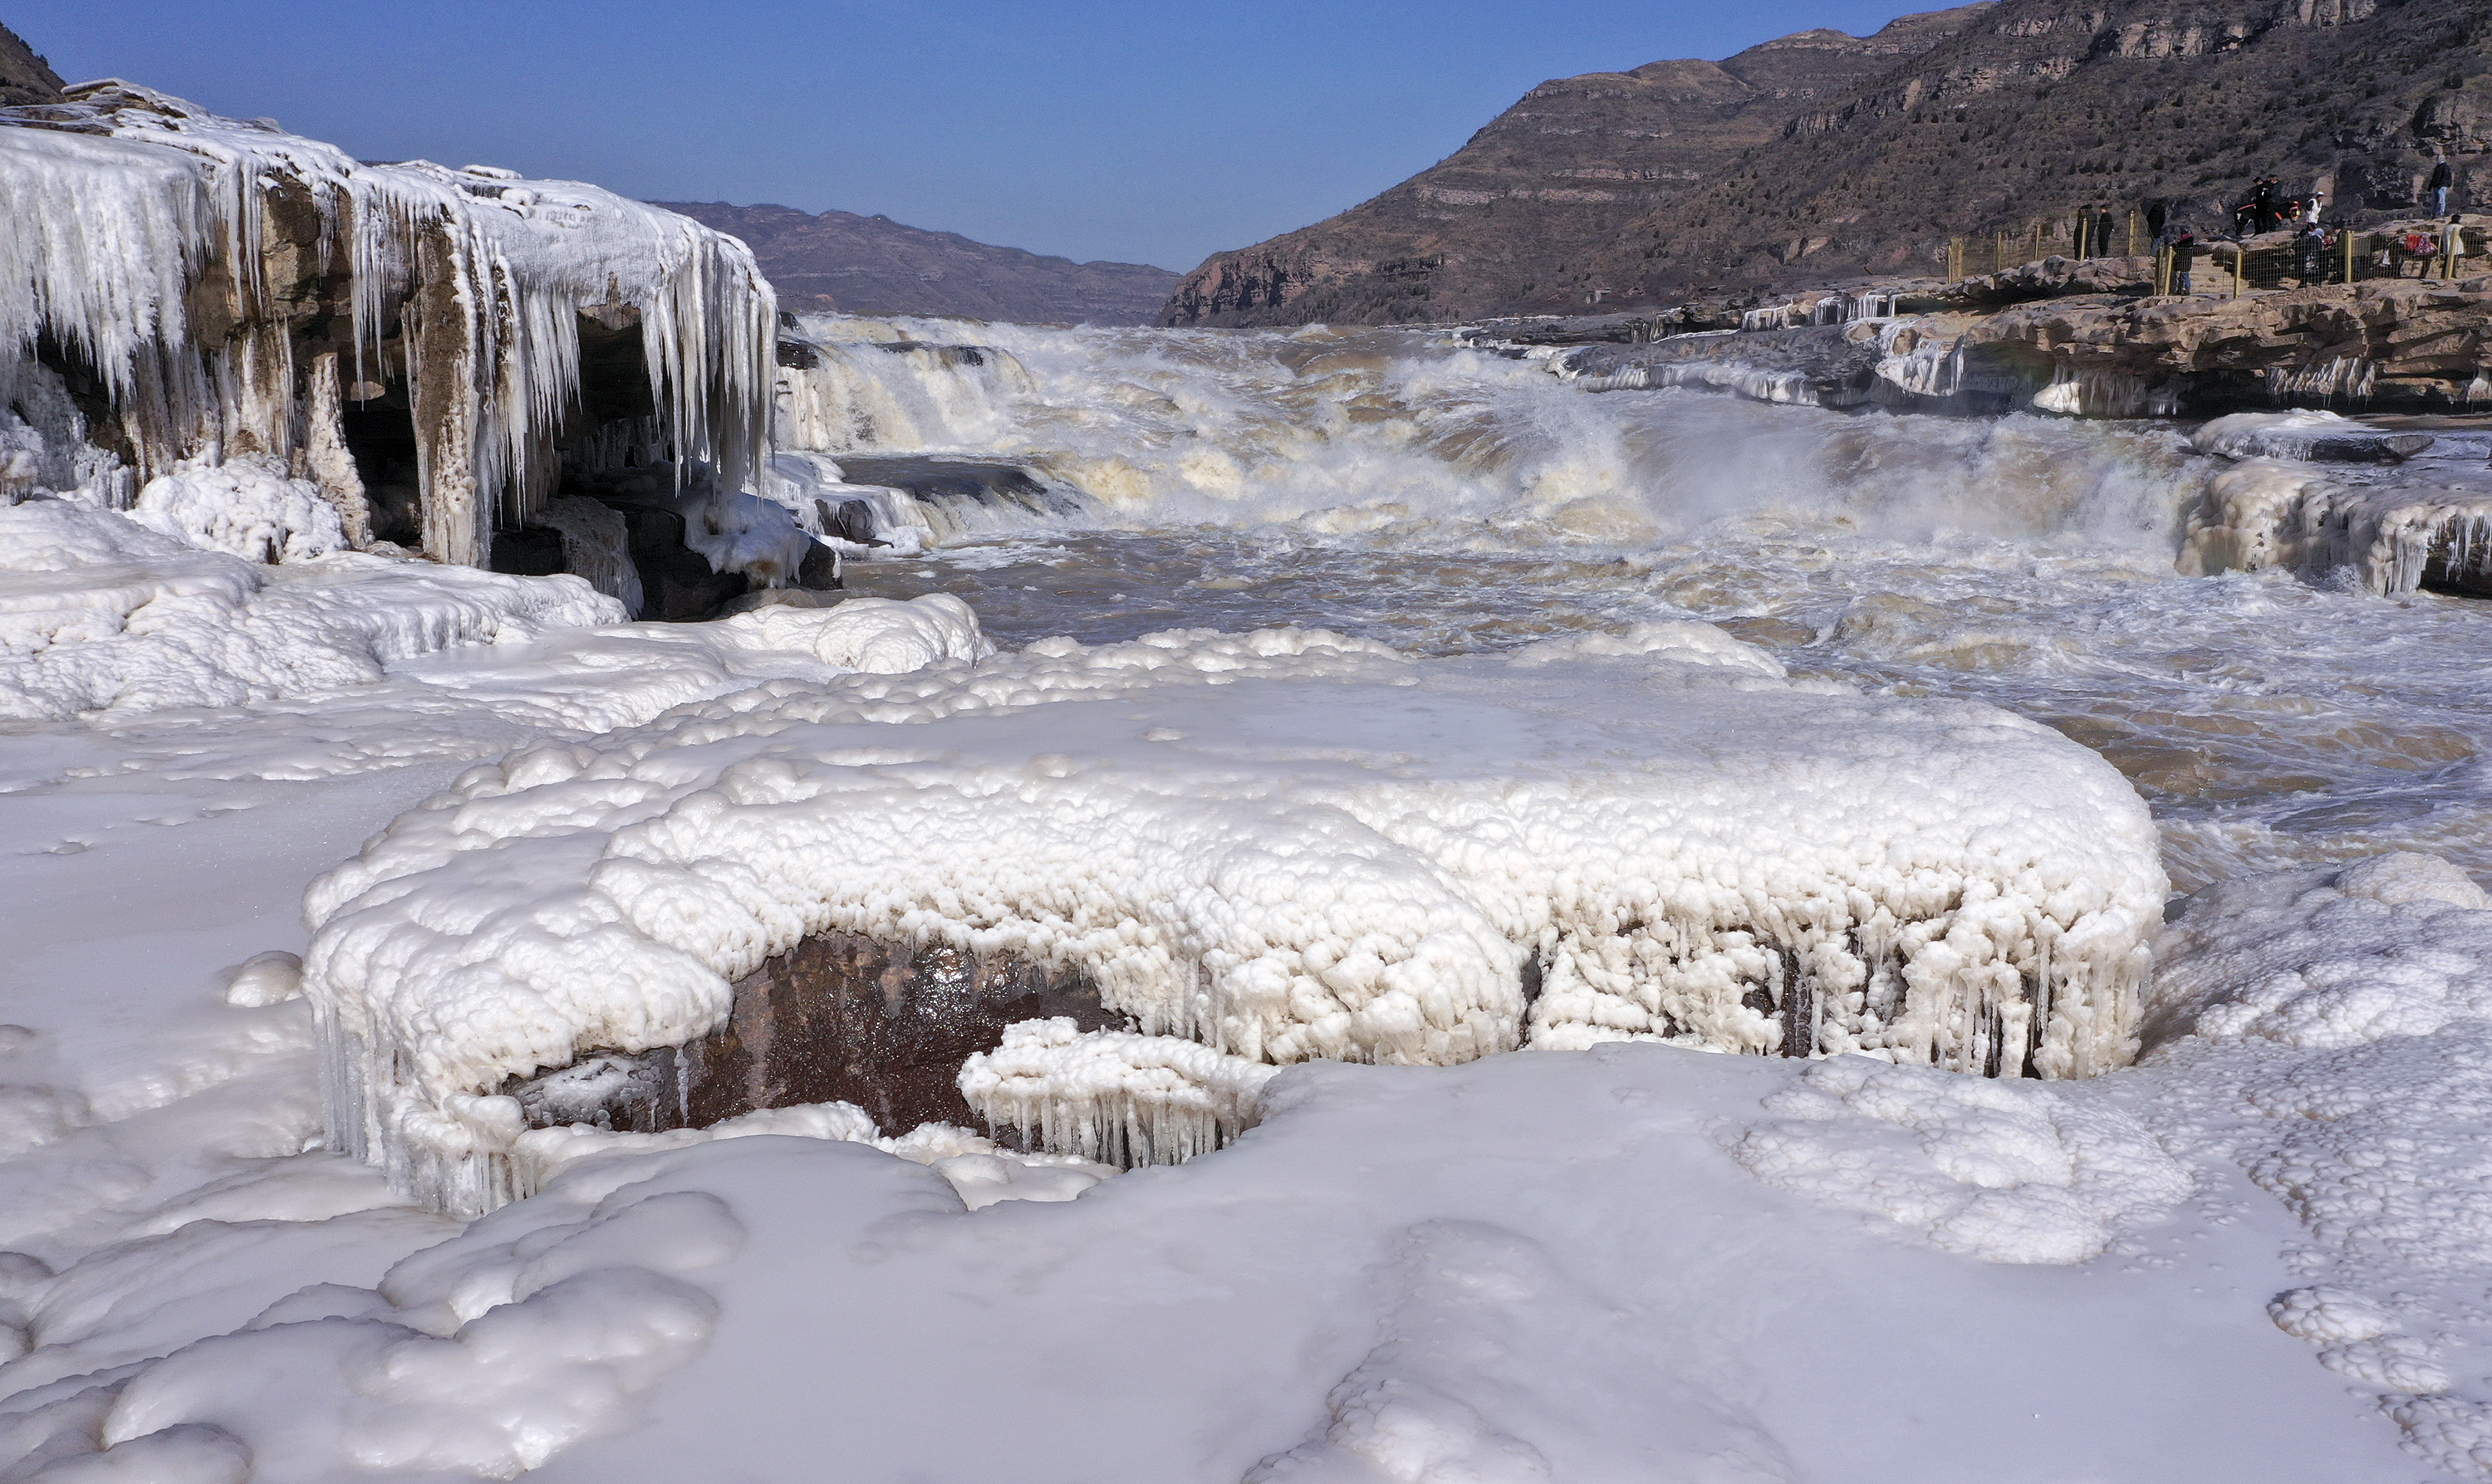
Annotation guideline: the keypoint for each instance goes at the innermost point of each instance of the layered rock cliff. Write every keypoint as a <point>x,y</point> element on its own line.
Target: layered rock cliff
<point>1820,155</point>
<point>1504,220</point>
<point>873,265</point>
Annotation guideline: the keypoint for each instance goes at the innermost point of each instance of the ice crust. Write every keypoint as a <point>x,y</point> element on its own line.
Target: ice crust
<point>99,613</point>
<point>2331,1029</point>
<point>243,508</point>
<point>2272,513</point>
<point>131,199</point>
<point>2006,1172</point>
<point>2300,435</point>
<point>1281,844</point>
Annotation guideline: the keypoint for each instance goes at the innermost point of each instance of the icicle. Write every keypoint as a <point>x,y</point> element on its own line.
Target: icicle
<point>133,196</point>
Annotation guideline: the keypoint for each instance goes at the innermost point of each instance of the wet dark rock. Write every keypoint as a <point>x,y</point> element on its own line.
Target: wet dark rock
<point>838,1019</point>
<point>820,571</point>
<point>853,521</point>
<point>527,550</point>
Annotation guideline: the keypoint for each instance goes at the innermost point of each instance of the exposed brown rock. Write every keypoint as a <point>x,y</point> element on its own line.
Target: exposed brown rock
<point>836,1019</point>
<point>2390,343</point>
<point>24,77</point>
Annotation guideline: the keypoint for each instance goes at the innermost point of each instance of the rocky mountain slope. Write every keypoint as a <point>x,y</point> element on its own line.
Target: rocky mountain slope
<point>873,265</point>
<point>24,77</point>
<point>1817,154</point>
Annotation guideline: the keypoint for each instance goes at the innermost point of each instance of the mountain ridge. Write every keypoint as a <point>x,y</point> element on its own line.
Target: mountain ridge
<point>873,265</point>
<point>1819,154</point>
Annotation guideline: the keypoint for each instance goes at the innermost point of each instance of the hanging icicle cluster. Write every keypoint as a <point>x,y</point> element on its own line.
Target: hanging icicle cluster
<point>206,288</point>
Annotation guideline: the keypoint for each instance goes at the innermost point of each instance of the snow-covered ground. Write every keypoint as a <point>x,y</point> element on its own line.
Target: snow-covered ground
<point>2256,1253</point>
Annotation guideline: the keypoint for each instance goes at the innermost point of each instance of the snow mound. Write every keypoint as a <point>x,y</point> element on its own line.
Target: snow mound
<point>1128,1099</point>
<point>740,532</point>
<point>981,1171</point>
<point>479,1357</point>
<point>876,635</point>
<point>2334,1027</point>
<point>1281,844</point>
<point>2004,1172</point>
<point>2396,945</point>
<point>1681,641</point>
<point>101,614</point>
<point>243,508</point>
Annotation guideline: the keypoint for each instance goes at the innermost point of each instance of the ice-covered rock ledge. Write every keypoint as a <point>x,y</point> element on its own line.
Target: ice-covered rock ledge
<point>2277,513</point>
<point>1258,848</point>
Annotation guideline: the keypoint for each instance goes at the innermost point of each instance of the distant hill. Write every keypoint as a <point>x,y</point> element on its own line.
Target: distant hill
<point>24,77</point>
<point>873,265</point>
<point>1820,155</point>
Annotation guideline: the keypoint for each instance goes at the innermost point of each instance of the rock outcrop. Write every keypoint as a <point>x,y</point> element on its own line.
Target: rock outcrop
<point>24,77</point>
<point>1819,156</point>
<point>2390,344</point>
<point>873,265</point>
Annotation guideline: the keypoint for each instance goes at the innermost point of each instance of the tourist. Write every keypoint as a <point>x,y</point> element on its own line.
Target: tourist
<point>2442,178</point>
<point>2184,245</point>
<point>2310,246</point>
<point>2159,215</point>
<point>2102,233</point>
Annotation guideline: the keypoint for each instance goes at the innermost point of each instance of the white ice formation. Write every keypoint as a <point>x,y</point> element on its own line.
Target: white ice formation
<point>1280,844</point>
<point>2303,434</point>
<point>980,1171</point>
<point>103,612</point>
<point>2106,393</point>
<point>2271,512</point>
<point>228,289</point>
<point>247,507</point>
<point>2006,1172</point>
<point>2331,1029</point>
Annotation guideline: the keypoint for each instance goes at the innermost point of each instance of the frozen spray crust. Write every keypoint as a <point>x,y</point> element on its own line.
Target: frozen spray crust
<point>2329,1025</point>
<point>1280,844</point>
<point>2272,513</point>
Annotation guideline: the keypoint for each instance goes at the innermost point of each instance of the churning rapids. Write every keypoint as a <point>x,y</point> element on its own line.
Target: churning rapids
<point>1445,500</point>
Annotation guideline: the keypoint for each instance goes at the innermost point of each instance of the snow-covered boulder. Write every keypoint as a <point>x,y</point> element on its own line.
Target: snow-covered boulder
<point>1281,845</point>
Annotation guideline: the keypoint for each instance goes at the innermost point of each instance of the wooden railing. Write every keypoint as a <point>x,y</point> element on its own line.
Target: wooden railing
<point>2347,256</point>
<point>2079,236</point>
<point>2221,266</point>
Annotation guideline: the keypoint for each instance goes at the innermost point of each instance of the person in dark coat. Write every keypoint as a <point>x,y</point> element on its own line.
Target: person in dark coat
<point>2310,246</point>
<point>2442,178</point>
<point>2185,250</point>
<point>2159,213</point>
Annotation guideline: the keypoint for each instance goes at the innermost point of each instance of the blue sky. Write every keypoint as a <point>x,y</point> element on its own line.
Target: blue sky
<point>1095,129</point>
